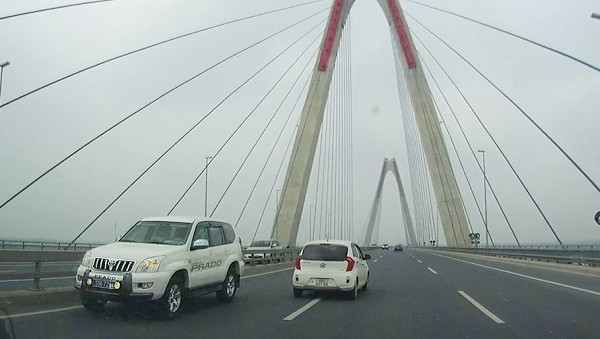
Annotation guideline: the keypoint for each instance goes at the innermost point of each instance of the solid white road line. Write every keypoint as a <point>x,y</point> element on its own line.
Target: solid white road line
<point>20,315</point>
<point>481,308</point>
<point>523,275</point>
<point>271,272</point>
<point>420,262</point>
<point>302,309</point>
<point>431,270</point>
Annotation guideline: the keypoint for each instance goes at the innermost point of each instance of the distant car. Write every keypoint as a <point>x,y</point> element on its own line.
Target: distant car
<point>398,248</point>
<point>385,247</point>
<point>331,265</point>
<point>266,245</point>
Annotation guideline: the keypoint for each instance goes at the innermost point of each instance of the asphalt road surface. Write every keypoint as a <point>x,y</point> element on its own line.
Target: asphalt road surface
<point>412,294</point>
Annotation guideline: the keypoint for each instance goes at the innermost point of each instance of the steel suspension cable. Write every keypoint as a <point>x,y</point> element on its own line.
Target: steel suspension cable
<point>272,116</point>
<point>22,96</point>
<point>52,9</point>
<point>496,144</point>
<point>215,156</point>
<point>187,133</point>
<point>513,35</point>
<point>89,142</point>
<point>538,127</point>
<point>271,152</point>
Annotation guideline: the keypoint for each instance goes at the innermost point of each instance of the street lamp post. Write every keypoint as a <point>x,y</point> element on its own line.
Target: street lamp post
<point>485,198</point>
<point>2,65</point>
<point>595,15</point>
<point>208,161</point>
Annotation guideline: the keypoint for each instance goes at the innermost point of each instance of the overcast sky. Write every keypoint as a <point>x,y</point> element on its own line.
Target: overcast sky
<point>38,131</point>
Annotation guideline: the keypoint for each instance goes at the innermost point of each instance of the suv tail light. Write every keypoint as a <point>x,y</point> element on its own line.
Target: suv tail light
<point>350,263</point>
<point>297,263</point>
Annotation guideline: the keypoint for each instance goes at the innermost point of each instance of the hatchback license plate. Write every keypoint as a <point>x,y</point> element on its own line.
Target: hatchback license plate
<point>321,282</point>
<point>104,284</point>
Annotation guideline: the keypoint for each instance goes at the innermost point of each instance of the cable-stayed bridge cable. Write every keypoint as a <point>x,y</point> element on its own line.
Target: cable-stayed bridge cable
<point>270,120</point>
<point>52,9</point>
<point>247,117</point>
<point>538,127</point>
<point>190,130</point>
<point>22,96</point>
<point>513,35</point>
<point>89,142</point>
<point>537,206</point>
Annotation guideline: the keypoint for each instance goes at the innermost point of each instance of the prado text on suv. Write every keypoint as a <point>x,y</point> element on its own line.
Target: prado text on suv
<point>165,260</point>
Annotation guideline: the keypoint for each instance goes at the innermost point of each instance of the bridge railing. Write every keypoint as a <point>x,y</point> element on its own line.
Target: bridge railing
<point>44,245</point>
<point>569,254</point>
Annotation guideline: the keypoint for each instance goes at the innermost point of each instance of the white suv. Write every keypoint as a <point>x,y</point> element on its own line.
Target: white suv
<point>331,265</point>
<point>166,260</point>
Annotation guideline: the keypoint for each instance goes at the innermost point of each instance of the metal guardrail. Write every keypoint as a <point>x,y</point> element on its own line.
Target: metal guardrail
<point>44,245</point>
<point>571,254</point>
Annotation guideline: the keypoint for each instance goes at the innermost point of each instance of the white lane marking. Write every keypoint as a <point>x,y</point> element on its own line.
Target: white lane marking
<point>302,309</point>
<point>481,308</point>
<point>42,279</point>
<point>431,270</point>
<point>420,262</point>
<point>271,272</point>
<point>20,315</point>
<point>375,260</point>
<point>523,275</point>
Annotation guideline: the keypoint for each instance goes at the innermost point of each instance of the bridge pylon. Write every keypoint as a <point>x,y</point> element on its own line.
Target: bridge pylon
<point>450,207</point>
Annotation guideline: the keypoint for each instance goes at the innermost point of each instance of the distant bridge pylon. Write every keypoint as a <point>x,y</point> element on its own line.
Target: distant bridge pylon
<point>390,165</point>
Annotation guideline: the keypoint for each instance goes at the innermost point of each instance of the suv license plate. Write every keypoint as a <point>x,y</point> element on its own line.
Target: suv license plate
<point>321,282</point>
<point>104,284</point>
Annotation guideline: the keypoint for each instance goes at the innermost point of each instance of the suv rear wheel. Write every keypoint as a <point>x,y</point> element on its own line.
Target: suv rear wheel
<point>298,292</point>
<point>229,287</point>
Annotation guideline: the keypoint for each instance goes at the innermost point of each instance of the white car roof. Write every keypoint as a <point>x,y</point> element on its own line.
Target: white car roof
<point>187,219</point>
<point>330,241</point>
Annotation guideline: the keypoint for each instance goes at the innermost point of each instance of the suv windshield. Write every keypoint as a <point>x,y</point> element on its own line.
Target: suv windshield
<point>158,232</point>
<point>261,244</point>
<point>325,252</point>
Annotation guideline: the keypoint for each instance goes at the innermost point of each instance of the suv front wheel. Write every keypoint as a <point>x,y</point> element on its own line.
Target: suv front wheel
<point>169,305</point>
<point>91,302</point>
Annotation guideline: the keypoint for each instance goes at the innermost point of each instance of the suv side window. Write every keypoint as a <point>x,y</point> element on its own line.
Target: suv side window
<point>201,231</point>
<point>229,233</point>
<point>216,236</point>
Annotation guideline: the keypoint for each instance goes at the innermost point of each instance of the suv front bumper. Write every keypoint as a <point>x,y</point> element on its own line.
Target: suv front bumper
<point>130,288</point>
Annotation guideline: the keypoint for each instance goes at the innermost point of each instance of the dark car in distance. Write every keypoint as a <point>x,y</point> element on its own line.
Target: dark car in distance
<point>398,248</point>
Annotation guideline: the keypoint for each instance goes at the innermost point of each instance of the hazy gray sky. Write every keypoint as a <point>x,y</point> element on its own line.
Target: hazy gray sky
<point>36,132</point>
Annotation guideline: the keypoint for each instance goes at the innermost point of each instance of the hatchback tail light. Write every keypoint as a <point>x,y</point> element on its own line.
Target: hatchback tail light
<point>350,263</point>
<point>297,263</point>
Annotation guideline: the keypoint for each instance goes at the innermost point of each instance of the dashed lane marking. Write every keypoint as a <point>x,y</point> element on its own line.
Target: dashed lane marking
<point>481,308</point>
<point>302,309</point>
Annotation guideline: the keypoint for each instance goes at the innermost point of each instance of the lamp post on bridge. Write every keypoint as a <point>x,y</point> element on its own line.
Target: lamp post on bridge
<point>208,161</point>
<point>485,198</point>
<point>595,15</point>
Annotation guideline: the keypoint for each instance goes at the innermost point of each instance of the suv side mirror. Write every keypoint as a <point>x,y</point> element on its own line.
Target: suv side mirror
<point>366,257</point>
<point>200,244</point>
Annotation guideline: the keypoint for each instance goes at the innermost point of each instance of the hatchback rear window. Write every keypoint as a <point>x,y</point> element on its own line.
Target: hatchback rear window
<point>325,252</point>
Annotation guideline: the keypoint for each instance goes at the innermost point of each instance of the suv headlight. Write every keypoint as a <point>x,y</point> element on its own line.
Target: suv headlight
<point>87,259</point>
<point>150,265</point>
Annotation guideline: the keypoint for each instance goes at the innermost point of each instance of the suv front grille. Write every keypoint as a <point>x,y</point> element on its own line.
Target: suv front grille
<point>113,265</point>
